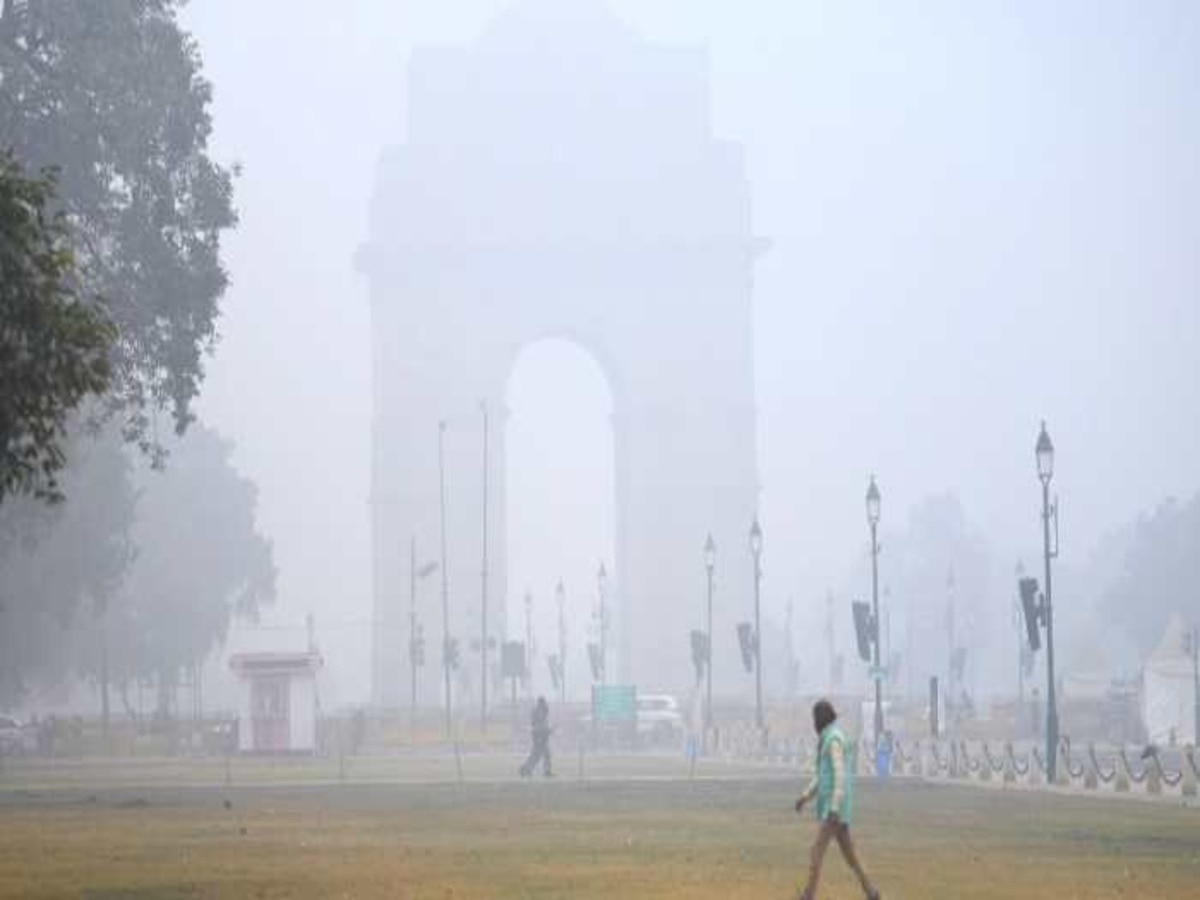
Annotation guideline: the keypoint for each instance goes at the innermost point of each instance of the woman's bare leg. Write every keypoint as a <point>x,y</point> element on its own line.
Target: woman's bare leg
<point>846,844</point>
<point>824,835</point>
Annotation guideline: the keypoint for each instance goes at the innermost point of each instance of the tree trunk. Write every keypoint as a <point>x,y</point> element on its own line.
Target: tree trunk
<point>123,692</point>
<point>104,682</point>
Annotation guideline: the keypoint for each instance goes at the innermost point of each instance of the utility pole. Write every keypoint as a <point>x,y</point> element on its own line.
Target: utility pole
<point>104,708</point>
<point>887,625</point>
<point>412,632</point>
<point>710,561</point>
<point>873,520</point>
<point>1051,689</point>
<point>560,594</point>
<point>1196,686</point>
<point>910,667</point>
<point>445,583</point>
<point>602,587</point>
<point>1044,452</point>
<point>791,654</point>
<point>886,654</point>
<point>529,641</point>
<point>483,644</point>
<point>756,539</point>
<point>951,697</point>
<point>829,643</point>
<point>1017,621</point>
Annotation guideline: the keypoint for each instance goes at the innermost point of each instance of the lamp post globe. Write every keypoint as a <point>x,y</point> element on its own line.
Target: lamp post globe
<point>1045,455</point>
<point>873,503</point>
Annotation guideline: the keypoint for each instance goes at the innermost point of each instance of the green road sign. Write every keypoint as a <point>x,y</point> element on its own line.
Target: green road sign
<point>614,703</point>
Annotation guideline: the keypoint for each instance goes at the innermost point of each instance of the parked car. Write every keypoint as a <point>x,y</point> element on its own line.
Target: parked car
<point>659,718</point>
<point>16,739</point>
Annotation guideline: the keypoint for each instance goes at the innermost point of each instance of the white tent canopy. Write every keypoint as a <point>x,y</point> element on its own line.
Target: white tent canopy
<point>1168,699</point>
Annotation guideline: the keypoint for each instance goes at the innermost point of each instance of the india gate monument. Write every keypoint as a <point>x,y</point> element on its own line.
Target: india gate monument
<point>560,179</point>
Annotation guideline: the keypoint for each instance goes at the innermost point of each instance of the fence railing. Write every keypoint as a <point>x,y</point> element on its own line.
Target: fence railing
<point>1104,768</point>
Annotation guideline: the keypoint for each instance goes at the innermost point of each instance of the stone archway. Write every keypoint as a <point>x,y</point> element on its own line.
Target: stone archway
<point>560,179</point>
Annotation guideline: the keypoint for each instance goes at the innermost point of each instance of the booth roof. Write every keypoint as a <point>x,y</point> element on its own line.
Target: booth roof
<point>304,661</point>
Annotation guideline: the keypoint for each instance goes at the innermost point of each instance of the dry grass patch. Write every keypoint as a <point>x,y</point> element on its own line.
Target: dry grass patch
<point>671,839</point>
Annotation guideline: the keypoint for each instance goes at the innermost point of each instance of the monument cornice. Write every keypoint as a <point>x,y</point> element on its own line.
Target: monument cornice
<point>372,258</point>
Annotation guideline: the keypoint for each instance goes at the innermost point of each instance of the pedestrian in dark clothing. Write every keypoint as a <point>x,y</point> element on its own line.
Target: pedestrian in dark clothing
<point>540,729</point>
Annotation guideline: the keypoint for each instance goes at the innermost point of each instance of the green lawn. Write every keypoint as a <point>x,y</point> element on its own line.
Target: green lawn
<point>728,836</point>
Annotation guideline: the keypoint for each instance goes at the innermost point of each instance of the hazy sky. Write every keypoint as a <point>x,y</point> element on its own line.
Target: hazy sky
<point>982,214</point>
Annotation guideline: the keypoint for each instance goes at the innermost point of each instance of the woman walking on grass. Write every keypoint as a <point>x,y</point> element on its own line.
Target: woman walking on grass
<point>833,788</point>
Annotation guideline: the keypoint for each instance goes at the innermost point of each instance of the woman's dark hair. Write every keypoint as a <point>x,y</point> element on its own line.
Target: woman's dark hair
<point>823,715</point>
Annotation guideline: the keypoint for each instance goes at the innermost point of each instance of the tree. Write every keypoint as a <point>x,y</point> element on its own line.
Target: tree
<point>935,579</point>
<point>138,576</point>
<point>61,565</point>
<point>1159,575</point>
<point>200,560</point>
<point>110,94</point>
<point>54,346</point>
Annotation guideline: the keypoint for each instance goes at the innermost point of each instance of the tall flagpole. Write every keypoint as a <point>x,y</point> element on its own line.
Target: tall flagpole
<point>445,584</point>
<point>483,645</point>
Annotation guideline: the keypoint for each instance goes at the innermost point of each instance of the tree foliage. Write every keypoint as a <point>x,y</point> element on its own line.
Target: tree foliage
<point>1160,575</point>
<point>110,94</point>
<point>154,564</point>
<point>200,560</point>
<point>936,553</point>
<point>54,345</point>
<point>61,565</point>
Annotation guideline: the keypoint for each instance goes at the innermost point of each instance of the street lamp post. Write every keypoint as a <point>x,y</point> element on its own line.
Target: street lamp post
<point>412,631</point>
<point>910,684</point>
<point>1196,686</point>
<point>483,643</point>
<point>529,641</point>
<point>873,503</point>
<point>1045,468</point>
<point>710,561</point>
<point>445,584</point>
<point>829,641</point>
<point>793,666</point>
<point>602,588</point>
<point>756,539</point>
<point>416,641</point>
<point>951,694</point>
<point>560,595</point>
<point>1020,650</point>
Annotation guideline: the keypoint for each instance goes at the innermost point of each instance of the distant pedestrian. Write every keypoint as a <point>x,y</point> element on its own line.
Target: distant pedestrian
<point>884,749</point>
<point>540,731</point>
<point>833,788</point>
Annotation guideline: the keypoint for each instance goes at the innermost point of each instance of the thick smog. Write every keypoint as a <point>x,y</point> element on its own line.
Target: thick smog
<point>597,448</point>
